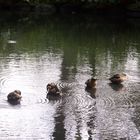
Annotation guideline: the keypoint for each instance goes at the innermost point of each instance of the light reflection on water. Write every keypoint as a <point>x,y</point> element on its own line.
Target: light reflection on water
<point>47,53</point>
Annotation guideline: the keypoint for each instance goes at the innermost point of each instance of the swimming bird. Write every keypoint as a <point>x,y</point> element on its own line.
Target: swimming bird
<point>14,96</point>
<point>91,83</point>
<point>118,78</point>
<point>53,89</point>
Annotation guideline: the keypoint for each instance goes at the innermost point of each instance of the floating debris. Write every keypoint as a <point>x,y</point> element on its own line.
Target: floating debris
<point>11,42</point>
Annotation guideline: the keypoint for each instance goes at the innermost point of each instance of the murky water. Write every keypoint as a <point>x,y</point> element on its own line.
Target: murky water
<point>35,51</point>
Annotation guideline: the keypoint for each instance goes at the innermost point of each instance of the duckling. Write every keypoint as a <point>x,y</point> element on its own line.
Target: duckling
<point>14,96</point>
<point>91,83</point>
<point>53,89</point>
<point>118,78</point>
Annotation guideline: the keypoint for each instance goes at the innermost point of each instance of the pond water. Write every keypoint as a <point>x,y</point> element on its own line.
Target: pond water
<point>36,50</point>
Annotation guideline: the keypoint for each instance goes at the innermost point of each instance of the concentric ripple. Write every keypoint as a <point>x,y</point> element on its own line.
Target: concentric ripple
<point>42,100</point>
<point>121,100</point>
<point>79,102</point>
<point>3,80</point>
<point>33,99</point>
<point>64,87</point>
<point>131,96</point>
<point>106,102</point>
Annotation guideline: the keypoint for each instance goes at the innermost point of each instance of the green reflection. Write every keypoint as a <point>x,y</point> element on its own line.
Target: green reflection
<point>96,39</point>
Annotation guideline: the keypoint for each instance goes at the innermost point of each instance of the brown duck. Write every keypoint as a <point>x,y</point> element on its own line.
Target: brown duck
<point>53,89</point>
<point>118,78</point>
<point>14,96</point>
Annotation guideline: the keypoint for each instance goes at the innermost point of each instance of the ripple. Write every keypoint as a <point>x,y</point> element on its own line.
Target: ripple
<point>125,100</point>
<point>33,100</point>
<point>3,80</point>
<point>133,76</point>
<point>79,102</point>
<point>131,96</point>
<point>107,102</point>
<point>64,86</point>
<point>4,104</point>
<point>42,100</point>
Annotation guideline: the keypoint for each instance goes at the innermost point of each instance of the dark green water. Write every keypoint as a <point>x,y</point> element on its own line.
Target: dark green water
<point>37,50</point>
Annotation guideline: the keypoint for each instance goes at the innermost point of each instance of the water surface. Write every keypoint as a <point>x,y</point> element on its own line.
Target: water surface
<point>67,50</point>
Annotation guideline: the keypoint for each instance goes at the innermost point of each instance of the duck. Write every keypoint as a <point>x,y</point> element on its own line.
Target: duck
<point>118,78</point>
<point>14,96</point>
<point>91,83</point>
<point>53,89</point>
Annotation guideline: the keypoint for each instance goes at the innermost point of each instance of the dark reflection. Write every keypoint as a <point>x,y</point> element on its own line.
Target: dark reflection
<point>53,97</point>
<point>14,102</point>
<point>68,68</point>
<point>116,87</point>
<point>59,130</point>
<point>92,126</point>
<point>136,117</point>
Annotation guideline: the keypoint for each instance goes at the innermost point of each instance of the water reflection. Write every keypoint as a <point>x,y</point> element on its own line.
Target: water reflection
<point>116,87</point>
<point>68,50</point>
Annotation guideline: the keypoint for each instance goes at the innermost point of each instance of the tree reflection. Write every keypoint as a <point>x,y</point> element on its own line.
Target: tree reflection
<point>78,47</point>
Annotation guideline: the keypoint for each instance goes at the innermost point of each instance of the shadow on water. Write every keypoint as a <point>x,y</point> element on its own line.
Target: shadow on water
<point>36,50</point>
<point>14,103</point>
<point>116,87</point>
